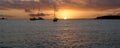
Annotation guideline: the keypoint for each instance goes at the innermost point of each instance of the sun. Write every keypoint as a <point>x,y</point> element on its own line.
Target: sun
<point>65,14</point>
<point>65,18</point>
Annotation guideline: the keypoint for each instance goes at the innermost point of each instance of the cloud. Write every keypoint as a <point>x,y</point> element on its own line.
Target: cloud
<point>2,15</point>
<point>75,4</point>
<point>92,4</point>
<point>2,8</point>
<point>103,4</point>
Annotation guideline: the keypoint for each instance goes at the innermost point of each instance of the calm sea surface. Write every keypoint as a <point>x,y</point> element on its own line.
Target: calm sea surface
<point>61,34</point>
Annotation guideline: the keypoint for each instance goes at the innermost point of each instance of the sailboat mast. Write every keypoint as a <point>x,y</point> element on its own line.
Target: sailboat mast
<point>39,8</point>
<point>55,11</point>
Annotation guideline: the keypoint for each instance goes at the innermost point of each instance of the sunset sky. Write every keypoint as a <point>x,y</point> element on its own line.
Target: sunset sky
<point>69,9</point>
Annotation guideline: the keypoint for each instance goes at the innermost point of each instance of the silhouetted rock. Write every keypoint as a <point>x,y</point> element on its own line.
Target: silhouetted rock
<point>109,17</point>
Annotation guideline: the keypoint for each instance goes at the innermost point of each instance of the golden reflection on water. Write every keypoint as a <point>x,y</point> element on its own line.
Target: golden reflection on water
<point>65,35</point>
<point>71,39</point>
<point>57,35</point>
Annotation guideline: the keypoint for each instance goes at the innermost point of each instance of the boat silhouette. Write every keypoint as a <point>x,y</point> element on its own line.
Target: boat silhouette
<point>3,18</point>
<point>33,19</point>
<point>55,17</point>
<point>36,16</point>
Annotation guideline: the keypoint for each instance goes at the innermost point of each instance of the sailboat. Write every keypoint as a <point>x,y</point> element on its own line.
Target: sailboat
<point>3,18</point>
<point>55,18</point>
<point>37,16</point>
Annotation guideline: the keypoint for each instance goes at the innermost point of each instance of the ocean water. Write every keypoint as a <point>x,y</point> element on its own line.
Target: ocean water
<point>61,34</point>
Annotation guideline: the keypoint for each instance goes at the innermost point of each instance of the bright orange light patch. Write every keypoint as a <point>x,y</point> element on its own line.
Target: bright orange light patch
<point>65,18</point>
<point>65,14</point>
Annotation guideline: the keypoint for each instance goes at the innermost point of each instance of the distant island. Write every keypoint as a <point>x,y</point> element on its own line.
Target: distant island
<point>109,17</point>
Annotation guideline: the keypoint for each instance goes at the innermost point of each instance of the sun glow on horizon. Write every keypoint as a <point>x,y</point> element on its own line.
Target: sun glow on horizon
<point>65,14</point>
<point>65,18</point>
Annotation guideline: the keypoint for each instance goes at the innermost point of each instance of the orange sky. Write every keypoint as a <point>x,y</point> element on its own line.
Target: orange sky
<point>66,9</point>
<point>61,13</point>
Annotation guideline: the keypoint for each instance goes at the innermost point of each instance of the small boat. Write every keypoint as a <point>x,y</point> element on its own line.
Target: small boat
<point>34,16</point>
<point>32,19</point>
<point>3,18</point>
<point>55,19</point>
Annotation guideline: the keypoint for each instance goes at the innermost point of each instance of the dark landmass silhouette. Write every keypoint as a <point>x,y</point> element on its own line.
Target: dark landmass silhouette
<point>109,17</point>
<point>3,18</point>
